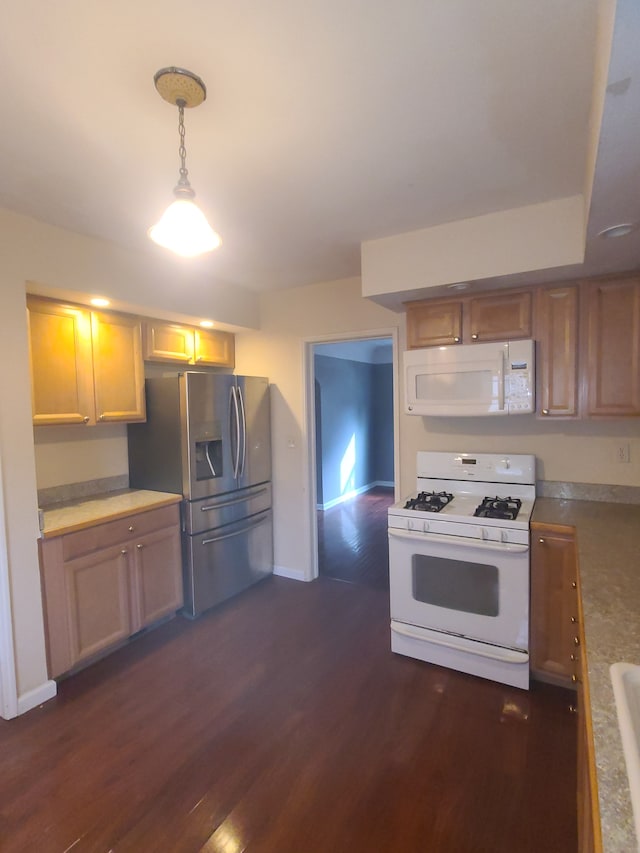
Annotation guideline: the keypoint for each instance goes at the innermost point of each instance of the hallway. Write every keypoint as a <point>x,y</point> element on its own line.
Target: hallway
<point>352,539</point>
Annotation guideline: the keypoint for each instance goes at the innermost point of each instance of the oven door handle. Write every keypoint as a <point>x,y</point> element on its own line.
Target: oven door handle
<point>458,540</point>
<point>483,649</point>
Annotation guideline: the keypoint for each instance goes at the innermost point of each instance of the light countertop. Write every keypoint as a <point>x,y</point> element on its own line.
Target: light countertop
<point>77,515</point>
<point>608,541</point>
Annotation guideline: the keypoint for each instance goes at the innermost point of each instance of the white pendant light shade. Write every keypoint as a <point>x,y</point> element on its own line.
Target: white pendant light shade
<point>183,229</point>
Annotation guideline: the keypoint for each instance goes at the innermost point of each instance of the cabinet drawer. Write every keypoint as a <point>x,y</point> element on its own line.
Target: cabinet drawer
<point>120,530</point>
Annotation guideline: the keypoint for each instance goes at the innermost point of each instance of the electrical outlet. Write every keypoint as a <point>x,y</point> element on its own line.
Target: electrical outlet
<point>622,453</point>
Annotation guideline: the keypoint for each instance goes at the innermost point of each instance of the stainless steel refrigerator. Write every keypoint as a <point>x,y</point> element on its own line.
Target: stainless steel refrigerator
<point>207,437</point>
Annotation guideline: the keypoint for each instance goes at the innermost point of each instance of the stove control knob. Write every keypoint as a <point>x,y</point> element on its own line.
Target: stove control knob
<point>504,536</point>
<point>506,463</point>
<point>426,527</point>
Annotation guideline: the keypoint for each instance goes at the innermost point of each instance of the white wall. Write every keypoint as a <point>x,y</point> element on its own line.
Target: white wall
<point>75,454</point>
<point>287,318</point>
<point>567,451</point>
<point>54,258</point>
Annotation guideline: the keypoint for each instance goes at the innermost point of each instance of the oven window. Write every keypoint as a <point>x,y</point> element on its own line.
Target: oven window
<point>456,584</point>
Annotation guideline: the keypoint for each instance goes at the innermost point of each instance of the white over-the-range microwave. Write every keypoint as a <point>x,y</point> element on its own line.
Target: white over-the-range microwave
<point>471,379</point>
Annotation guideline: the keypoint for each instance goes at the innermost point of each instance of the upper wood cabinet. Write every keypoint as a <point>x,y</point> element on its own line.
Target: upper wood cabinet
<point>494,317</point>
<point>500,316</point>
<point>611,375</point>
<point>118,368</point>
<point>85,366</point>
<point>175,343</point>
<point>556,331</point>
<point>61,359</point>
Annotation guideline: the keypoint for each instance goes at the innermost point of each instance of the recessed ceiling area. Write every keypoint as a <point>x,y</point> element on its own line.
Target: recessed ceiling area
<point>326,126</point>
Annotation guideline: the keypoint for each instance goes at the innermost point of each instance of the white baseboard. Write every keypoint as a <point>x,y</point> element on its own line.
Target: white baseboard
<point>35,697</point>
<point>292,574</point>
<point>353,494</point>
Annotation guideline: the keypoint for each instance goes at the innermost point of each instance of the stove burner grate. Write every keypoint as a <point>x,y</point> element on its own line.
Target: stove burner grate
<point>504,508</point>
<point>429,501</point>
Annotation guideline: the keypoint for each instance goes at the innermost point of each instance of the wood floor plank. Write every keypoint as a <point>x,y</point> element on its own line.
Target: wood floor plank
<point>281,721</point>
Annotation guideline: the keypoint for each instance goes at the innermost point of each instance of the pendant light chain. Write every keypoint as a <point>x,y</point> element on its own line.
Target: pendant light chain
<point>182,151</point>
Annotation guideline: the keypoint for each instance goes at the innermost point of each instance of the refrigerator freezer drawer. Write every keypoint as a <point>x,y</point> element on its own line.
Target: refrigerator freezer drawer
<point>215,511</point>
<point>222,562</point>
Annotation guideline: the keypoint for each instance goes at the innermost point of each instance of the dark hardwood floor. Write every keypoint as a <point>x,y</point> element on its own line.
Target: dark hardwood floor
<point>282,723</point>
<point>352,539</point>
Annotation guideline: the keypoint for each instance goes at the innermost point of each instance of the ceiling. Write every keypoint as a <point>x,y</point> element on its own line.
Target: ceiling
<point>326,123</point>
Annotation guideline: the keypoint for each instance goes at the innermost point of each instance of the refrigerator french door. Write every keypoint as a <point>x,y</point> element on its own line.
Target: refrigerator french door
<point>207,436</point>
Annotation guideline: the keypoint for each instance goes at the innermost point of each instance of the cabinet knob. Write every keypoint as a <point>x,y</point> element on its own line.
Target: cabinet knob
<point>574,620</point>
<point>573,709</point>
<point>131,528</point>
<point>456,339</point>
<point>574,585</point>
<point>474,336</point>
<point>139,546</point>
<point>101,417</point>
<point>545,411</point>
<point>124,551</point>
<point>573,657</point>
<point>576,641</point>
<point>574,678</point>
<point>86,419</point>
<point>541,541</point>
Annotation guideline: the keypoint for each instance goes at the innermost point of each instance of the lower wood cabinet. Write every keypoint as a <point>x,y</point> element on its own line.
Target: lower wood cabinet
<point>557,652</point>
<point>105,583</point>
<point>554,604</point>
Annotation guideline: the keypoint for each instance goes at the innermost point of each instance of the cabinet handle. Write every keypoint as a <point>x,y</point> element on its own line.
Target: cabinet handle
<point>131,529</point>
<point>574,585</point>
<point>456,339</point>
<point>86,419</point>
<point>139,546</point>
<point>474,336</point>
<point>573,709</point>
<point>545,411</point>
<point>124,551</point>
<point>576,641</point>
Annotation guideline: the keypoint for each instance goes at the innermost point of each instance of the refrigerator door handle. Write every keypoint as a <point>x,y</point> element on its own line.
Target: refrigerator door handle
<point>244,430</point>
<point>234,429</point>
<point>254,523</point>
<point>243,499</point>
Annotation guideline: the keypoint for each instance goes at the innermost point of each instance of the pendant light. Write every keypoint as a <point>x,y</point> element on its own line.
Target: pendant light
<point>183,227</point>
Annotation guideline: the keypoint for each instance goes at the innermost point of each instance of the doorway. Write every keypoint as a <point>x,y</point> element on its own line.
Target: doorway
<point>354,426</point>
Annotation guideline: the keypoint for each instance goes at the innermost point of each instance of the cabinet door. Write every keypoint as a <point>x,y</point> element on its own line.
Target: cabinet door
<point>554,604</point>
<point>434,323</point>
<point>61,373</point>
<point>500,316</point>
<point>167,342</point>
<point>118,367</point>
<point>557,367</point>
<point>97,591</point>
<point>213,347</point>
<point>613,347</point>
<point>157,576</point>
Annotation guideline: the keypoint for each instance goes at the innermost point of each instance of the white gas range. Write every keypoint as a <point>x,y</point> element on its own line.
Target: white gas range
<point>459,564</point>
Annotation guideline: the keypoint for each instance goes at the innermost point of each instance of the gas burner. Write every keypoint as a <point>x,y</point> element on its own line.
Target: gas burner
<point>505,508</point>
<point>429,501</point>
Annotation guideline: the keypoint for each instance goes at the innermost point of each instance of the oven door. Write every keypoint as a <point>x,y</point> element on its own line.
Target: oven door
<point>464,587</point>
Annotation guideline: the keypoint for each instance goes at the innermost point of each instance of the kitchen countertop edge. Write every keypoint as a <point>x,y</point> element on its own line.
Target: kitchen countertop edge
<point>87,512</point>
<point>608,544</point>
